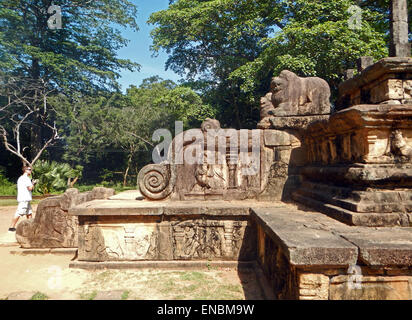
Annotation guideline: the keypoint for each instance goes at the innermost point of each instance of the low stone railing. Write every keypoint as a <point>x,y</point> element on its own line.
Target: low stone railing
<point>52,227</point>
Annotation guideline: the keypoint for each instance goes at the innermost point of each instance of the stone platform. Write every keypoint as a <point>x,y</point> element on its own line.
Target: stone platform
<point>307,255</point>
<point>124,230</point>
<point>304,254</point>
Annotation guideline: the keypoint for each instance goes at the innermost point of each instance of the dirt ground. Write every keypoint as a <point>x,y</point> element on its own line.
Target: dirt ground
<point>48,276</point>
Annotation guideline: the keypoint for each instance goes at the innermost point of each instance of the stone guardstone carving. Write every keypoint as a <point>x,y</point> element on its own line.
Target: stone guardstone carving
<point>201,164</point>
<point>156,181</point>
<point>52,226</point>
<point>291,95</point>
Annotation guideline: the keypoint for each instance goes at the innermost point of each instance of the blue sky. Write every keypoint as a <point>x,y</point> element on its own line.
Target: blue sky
<point>138,49</point>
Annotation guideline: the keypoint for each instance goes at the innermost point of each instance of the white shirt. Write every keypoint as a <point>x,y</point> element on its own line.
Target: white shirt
<point>24,194</point>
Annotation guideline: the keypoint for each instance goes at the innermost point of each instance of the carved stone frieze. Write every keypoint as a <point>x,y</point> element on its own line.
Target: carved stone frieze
<point>203,239</point>
<point>184,239</point>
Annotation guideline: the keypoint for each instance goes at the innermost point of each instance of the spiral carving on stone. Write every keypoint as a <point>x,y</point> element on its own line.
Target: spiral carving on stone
<point>156,181</point>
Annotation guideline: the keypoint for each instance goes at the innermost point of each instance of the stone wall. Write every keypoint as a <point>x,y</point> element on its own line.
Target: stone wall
<point>386,82</point>
<point>133,238</point>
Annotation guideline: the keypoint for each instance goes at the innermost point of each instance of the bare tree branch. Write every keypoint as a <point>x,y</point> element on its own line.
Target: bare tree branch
<point>26,99</point>
<point>136,136</point>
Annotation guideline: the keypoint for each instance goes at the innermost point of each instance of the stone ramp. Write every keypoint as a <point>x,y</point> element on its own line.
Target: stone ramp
<point>303,254</point>
<point>310,238</point>
<point>115,207</point>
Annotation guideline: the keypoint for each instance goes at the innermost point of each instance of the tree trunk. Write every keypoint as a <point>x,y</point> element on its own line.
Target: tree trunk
<point>71,183</point>
<point>35,137</point>
<point>36,128</point>
<point>127,169</point>
<point>137,176</point>
<point>237,113</point>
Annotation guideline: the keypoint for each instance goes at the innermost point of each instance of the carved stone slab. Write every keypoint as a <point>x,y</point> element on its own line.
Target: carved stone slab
<point>52,226</point>
<point>362,134</point>
<point>146,238</point>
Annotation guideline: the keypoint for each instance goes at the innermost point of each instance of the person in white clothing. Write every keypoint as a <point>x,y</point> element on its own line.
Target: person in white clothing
<point>25,187</point>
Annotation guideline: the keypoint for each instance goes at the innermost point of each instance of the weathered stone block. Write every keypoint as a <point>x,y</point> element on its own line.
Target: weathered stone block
<point>387,90</point>
<point>364,62</point>
<point>313,287</point>
<point>145,238</point>
<point>371,81</point>
<point>275,138</point>
<point>371,288</point>
<point>407,89</point>
<point>349,74</point>
<point>102,193</point>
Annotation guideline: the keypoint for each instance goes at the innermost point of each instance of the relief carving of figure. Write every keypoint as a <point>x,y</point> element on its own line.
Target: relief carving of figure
<point>208,177</point>
<point>399,147</point>
<point>190,243</point>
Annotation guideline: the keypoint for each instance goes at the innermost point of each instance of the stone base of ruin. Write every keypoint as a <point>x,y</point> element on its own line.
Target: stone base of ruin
<point>368,207</point>
<point>156,264</point>
<point>303,254</point>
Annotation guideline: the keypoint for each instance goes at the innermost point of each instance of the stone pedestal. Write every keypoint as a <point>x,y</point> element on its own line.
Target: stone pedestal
<point>359,167</point>
<point>309,256</point>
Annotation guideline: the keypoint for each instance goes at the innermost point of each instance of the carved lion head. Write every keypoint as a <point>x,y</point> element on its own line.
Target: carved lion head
<point>286,87</point>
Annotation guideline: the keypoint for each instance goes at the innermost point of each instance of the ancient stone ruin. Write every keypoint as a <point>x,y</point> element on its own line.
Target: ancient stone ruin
<point>349,170</point>
<point>320,201</point>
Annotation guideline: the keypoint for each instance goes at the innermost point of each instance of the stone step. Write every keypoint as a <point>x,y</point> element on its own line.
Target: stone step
<point>358,195</point>
<point>370,219</point>
<point>332,211</point>
<point>327,197</point>
<point>356,206</point>
<point>336,190</point>
<point>166,264</point>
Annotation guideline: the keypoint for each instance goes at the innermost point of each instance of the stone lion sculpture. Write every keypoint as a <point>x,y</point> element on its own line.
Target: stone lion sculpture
<point>291,95</point>
<point>399,147</point>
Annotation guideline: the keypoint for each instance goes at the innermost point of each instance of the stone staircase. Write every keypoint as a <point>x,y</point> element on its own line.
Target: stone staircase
<point>354,207</point>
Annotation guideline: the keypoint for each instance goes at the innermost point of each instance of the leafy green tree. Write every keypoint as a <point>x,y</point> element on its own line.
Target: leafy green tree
<point>79,57</point>
<point>98,129</point>
<point>170,102</point>
<point>316,41</point>
<point>233,47</point>
<point>86,125</point>
<point>25,100</point>
<point>156,104</point>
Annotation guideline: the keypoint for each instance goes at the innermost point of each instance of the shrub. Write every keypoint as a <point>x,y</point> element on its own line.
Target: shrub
<point>7,188</point>
<point>54,176</point>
